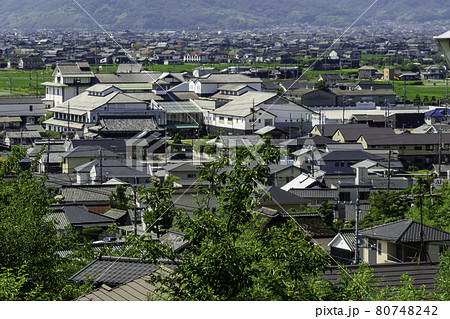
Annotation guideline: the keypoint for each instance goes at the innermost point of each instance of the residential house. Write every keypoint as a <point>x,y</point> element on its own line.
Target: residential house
<point>330,79</point>
<point>380,97</point>
<point>183,117</point>
<point>89,106</point>
<point>255,110</point>
<point>281,174</point>
<point>94,197</point>
<point>351,133</point>
<point>21,137</point>
<point>209,84</point>
<point>78,217</point>
<point>401,241</point>
<point>102,170</point>
<point>434,72</point>
<point>84,154</point>
<point>29,109</point>
<point>367,72</point>
<point>420,150</point>
<point>311,97</point>
<point>31,63</point>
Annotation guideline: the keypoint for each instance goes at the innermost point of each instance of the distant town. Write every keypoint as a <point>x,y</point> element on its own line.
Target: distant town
<point>354,115</point>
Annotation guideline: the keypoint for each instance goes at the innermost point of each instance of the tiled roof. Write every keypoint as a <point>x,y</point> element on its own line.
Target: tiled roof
<point>405,231</point>
<point>135,290</point>
<point>423,274</point>
<point>87,193</point>
<point>115,271</point>
<point>282,197</point>
<point>78,215</point>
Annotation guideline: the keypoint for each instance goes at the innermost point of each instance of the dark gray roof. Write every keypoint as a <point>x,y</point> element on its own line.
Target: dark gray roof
<point>352,155</point>
<point>80,216</point>
<point>316,192</point>
<point>282,197</point>
<point>88,151</point>
<point>423,274</point>
<point>115,145</point>
<point>348,235</point>
<point>330,129</point>
<point>351,134</point>
<point>407,139</point>
<point>405,231</point>
<point>114,168</point>
<point>21,100</point>
<point>89,193</point>
<point>114,271</point>
<point>127,124</point>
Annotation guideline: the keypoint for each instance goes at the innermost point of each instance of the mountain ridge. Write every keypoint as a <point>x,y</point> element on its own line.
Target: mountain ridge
<point>213,14</point>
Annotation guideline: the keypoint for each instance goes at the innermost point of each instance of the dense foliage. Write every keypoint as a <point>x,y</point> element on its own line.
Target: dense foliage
<point>231,257</point>
<point>31,268</point>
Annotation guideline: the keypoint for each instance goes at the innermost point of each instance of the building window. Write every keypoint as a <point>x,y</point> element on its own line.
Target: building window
<point>268,122</point>
<point>379,248</point>
<point>31,108</point>
<point>417,148</point>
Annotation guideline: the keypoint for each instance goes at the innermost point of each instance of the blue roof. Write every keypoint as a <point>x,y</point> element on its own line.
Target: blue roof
<point>438,112</point>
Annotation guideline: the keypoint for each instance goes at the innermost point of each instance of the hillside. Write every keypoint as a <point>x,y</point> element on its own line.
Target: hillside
<point>212,14</point>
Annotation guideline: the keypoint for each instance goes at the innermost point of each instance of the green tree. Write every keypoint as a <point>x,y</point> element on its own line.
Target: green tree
<point>159,212</point>
<point>29,237</point>
<point>119,199</point>
<point>230,256</point>
<point>385,207</point>
<point>327,211</point>
<point>417,100</point>
<point>321,85</point>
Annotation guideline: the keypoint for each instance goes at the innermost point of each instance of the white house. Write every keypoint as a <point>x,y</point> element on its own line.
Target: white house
<point>69,81</point>
<point>255,110</point>
<point>210,84</point>
<point>89,106</point>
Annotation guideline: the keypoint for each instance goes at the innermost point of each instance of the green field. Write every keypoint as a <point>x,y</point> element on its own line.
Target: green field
<point>438,90</point>
<point>23,83</point>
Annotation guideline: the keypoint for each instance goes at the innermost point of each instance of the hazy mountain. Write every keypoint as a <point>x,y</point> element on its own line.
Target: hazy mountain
<point>212,14</point>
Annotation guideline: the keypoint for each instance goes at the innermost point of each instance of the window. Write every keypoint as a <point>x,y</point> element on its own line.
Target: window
<point>379,248</point>
<point>417,148</point>
<point>429,147</point>
<point>268,122</point>
<point>31,108</point>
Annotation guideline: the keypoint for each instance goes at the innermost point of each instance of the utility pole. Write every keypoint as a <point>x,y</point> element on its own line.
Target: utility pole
<point>101,165</point>
<point>389,171</point>
<point>439,150</point>
<point>253,116</point>
<point>357,236</point>
<point>68,118</point>
<point>48,155</point>
<point>135,207</point>
<point>343,110</point>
